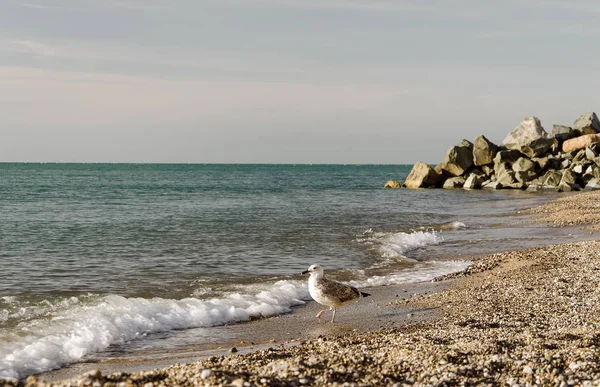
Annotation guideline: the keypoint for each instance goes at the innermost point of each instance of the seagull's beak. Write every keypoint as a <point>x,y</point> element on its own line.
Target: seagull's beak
<point>305,272</point>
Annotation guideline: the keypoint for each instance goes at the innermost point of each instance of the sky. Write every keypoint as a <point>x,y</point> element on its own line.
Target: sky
<point>286,81</point>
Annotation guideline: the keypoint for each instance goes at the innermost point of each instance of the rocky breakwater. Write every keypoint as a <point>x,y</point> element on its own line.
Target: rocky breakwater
<point>530,158</point>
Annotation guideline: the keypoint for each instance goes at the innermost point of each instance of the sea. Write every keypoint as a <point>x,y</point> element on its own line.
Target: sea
<point>98,258</point>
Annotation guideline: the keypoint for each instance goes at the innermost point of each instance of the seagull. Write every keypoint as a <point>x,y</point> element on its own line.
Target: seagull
<point>329,293</point>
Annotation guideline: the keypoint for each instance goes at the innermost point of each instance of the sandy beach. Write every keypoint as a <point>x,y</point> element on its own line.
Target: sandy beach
<point>527,317</point>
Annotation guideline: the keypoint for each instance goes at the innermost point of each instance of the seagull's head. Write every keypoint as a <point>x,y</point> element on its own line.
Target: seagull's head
<point>314,270</point>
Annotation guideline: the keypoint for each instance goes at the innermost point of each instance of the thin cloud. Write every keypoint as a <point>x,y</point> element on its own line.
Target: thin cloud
<point>36,48</point>
<point>90,6</point>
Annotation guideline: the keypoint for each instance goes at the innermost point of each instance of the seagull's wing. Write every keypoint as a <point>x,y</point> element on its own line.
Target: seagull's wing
<point>342,293</point>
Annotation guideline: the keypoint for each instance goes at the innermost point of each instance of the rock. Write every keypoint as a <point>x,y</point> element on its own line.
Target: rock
<point>457,160</point>
<point>466,143</point>
<point>592,185</point>
<point>487,170</point>
<point>238,382</point>
<point>492,185</point>
<point>578,169</point>
<point>579,156</point>
<point>529,138</point>
<point>504,175</point>
<point>541,188</point>
<point>205,374</point>
<point>484,151</point>
<point>474,181</point>
<point>454,182</point>
<point>516,185</point>
<point>507,156</point>
<point>580,142</point>
<point>422,176</point>
<point>524,170</point>
<point>568,177</point>
<point>591,152</point>
<point>562,133</point>
<point>392,184</point>
<point>552,178</point>
<point>233,350</point>
<point>587,123</point>
<point>542,162</point>
<point>562,187</point>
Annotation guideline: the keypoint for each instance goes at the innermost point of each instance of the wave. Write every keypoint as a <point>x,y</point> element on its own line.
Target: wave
<point>51,335</point>
<point>70,334</point>
<point>397,244</point>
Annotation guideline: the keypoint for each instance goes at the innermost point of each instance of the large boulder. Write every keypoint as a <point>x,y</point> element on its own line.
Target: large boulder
<point>592,185</point>
<point>454,182</point>
<point>392,184</point>
<point>587,123</point>
<point>507,156</point>
<point>484,151</point>
<point>562,133</point>
<point>529,138</point>
<point>580,142</point>
<point>422,176</point>
<point>457,160</point>
<point>551,178</point>
<point>504,175</point>
<point>474,181</point>
<point>524,170</point>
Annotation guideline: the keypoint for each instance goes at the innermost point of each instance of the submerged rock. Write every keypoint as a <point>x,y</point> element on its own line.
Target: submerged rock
<point>392,184</point>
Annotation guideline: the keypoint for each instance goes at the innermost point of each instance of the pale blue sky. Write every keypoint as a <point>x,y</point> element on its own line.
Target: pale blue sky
<point>289,81</point>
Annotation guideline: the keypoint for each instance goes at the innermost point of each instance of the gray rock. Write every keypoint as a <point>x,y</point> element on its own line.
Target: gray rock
<point>474,181</point>
<point>579,156</point>
<point>484,151</point>
<point>457,160</point>
<point>422,176</point>
<point>454,182</point>
<point>562,133</point>
<point>563,187</point>
<point>552,178</point>
<point>578,169</point>
<point>529,138</point>
<point>524,170</point>
<point>568,177</point>
<point>591,152</point>
<point>504,175</point>
<point>507,156</point>
<point>541,188</point>
<point>492,185</point>
<point>592,185</point>
<point>487,170</point>
<point>587,123</point>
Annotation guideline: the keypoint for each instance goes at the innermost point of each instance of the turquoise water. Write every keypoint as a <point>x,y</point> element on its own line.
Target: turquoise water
<point>143,248</point>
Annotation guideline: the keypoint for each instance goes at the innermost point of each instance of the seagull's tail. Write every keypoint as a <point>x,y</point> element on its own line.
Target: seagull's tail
<point>363,294</point>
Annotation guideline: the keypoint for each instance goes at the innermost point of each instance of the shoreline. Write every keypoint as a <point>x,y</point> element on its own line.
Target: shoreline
<point>496,307</point>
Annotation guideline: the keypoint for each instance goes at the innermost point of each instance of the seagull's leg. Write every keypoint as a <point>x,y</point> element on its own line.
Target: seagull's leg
<point>333,317</point>
<point>320,314</point>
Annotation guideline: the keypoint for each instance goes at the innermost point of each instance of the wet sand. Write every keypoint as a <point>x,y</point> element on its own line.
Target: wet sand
<point>527,317</point>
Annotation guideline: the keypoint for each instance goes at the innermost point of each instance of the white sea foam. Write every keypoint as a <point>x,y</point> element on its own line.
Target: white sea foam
<point>422,271</point>
<point>70,334</point>
<point>397,244</point>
